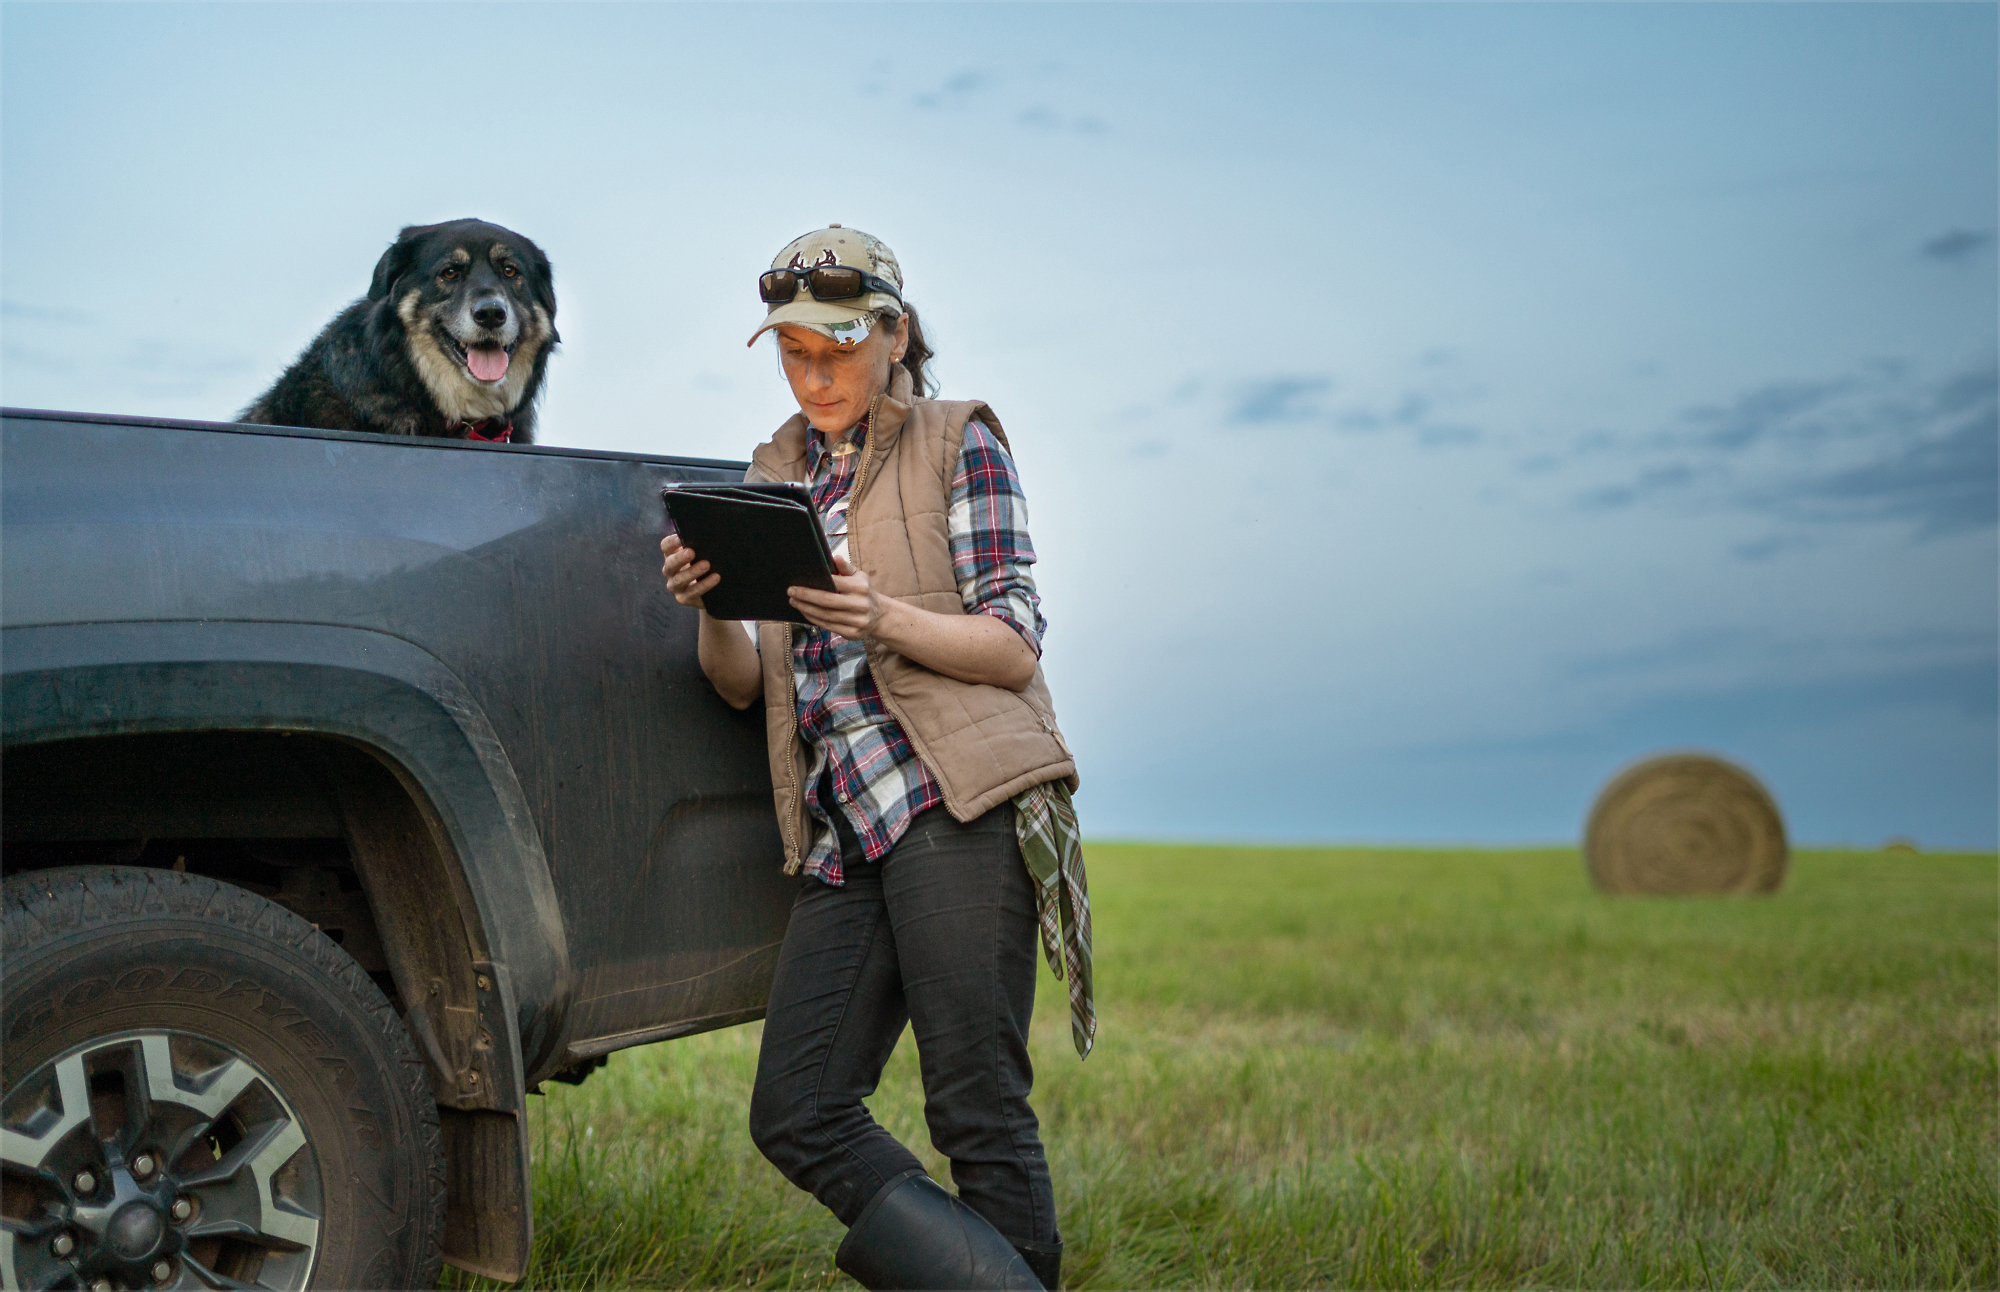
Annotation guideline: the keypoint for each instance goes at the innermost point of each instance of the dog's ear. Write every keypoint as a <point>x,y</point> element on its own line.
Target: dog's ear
<point>395,262</point>
<point>545,278</point>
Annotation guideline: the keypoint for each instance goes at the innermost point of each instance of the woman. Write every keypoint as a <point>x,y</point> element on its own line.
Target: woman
<point>913,748</point>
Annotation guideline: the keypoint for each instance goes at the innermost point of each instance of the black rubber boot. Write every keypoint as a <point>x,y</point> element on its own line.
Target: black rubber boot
<point>913,1234</point>
<point>1045,1259</point>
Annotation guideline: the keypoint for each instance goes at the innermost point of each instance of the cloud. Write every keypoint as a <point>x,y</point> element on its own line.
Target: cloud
<point>969,88</point>
<point>1046,119</point>
<point>1700,646</point>
<point>1411,410</point>
<point>1947,484</point>
<point>21,356</point>
<point>1958,244</point>
<point>1649,483</point>
<point>956,91</point>
<point>1435,437</point>
<point>1301,399</point>
<point>1971,389</point>
<point>180,360</point>
<point>1781,408</point>
<point>1872,446</point>
<point>149,366</point>
<point>1946,667</point>
<point>1763,549</point>
<point>1280,399</point>
<point>43,314</point>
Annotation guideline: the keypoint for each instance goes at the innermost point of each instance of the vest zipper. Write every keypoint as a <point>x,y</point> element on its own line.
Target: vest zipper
<point>1049,725</point>
<point>861,474</point>
<point>853,555</point>
<point>794,845</point>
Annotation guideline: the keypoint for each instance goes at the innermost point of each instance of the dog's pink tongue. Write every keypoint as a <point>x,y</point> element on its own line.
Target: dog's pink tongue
<point>488,363</point>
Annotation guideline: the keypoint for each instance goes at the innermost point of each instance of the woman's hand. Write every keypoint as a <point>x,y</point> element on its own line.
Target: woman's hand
<point>972,648</point>
<point>852,609</point>
<point>726,653</point>
<point>687,577</point>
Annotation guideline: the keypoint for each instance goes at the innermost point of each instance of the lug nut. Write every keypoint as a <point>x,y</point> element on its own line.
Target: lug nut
<point>181,1209</point>
<point>102,1285</point>
<point>142,1165</point>
<point>85,1182</point>
<point>163,1271</point>
<point>63,1245</point>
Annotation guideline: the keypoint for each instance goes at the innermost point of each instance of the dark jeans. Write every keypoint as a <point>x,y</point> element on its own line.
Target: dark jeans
<point>939,933</point>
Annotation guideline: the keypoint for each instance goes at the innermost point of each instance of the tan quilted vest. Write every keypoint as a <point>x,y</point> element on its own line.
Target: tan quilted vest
<point>984,744</point>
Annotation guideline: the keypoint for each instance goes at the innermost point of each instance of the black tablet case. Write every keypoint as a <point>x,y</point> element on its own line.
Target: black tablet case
<point>761,538</point>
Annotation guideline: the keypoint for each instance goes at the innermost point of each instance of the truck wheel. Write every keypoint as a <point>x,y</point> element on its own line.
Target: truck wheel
<point>203,1091</point>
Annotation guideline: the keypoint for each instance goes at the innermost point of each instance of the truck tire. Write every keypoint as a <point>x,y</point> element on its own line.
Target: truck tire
<point>202,1090</point>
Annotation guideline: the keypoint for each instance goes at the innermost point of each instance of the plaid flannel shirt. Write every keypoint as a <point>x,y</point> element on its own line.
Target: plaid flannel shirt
<point>877,779</point>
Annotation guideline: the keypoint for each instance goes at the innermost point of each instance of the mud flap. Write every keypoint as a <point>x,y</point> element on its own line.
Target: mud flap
<point>489,1225</point>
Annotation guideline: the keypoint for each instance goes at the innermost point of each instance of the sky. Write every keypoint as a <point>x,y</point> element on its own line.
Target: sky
<point>1424,410</point>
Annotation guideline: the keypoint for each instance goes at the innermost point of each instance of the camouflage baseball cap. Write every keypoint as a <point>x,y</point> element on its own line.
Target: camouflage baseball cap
<point>841,320</point>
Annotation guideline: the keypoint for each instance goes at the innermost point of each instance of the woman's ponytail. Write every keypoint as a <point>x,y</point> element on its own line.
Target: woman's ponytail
<point>917,356</point>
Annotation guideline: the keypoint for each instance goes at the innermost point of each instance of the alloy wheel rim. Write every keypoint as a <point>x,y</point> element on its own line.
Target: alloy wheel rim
<point>155,1159</point>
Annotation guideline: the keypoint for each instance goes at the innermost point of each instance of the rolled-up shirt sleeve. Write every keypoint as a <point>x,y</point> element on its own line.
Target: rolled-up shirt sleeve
<point>991,555</point>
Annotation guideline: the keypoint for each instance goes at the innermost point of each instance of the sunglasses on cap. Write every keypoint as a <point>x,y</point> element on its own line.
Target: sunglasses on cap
<point>825,282</point>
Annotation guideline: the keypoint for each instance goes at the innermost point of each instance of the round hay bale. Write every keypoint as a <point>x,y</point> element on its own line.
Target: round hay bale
<point>1685,823</point>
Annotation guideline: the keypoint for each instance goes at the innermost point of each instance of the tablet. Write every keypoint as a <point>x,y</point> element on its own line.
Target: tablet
<point>760,538</point>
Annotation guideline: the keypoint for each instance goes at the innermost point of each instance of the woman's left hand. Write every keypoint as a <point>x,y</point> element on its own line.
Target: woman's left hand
<point>972,648</point>
<point>852,609</point>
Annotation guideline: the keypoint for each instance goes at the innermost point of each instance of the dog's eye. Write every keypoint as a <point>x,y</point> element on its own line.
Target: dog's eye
<point>510,271</point>
<point>450,272</point>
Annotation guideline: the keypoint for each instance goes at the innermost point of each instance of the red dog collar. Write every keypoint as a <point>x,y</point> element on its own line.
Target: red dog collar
<point>493,430</point>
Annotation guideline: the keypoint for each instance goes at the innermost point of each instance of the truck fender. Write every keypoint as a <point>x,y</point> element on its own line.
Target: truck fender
<point>487,1009</point>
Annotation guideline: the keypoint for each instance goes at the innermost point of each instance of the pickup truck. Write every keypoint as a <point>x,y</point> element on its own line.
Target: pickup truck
<point>353,786</point>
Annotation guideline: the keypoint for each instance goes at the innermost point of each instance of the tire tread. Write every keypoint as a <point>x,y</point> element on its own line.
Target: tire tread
<point>45,904</point>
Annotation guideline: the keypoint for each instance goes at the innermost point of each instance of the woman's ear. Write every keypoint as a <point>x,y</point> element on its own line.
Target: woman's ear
<point>901,345</point>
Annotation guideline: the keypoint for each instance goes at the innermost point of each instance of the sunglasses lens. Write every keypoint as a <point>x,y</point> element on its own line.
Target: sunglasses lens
<point>835,283</point>
<point>777,286</point>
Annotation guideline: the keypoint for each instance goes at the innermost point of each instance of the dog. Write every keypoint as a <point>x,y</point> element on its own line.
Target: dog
<point>452,340</point>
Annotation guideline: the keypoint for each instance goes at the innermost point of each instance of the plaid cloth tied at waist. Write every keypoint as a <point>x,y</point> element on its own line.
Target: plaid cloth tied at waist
<point>1045,821</point>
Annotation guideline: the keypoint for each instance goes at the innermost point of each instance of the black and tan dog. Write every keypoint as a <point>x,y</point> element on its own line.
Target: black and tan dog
<point>452,340</point>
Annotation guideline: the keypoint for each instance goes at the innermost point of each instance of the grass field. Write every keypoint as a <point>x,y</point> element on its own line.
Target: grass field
<point>1344,1067</point>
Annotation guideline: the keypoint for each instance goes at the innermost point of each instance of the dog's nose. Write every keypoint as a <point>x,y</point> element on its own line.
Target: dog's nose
<point>489,313</point>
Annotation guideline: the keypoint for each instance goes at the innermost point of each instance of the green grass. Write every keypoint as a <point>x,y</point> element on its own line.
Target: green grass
<point>1345,1067</point>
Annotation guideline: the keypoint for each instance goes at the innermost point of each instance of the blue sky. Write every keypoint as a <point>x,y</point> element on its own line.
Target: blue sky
<point>1424,409</point>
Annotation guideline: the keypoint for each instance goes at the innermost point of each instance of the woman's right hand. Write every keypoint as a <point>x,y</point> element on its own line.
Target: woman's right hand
<point>687,577</point>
